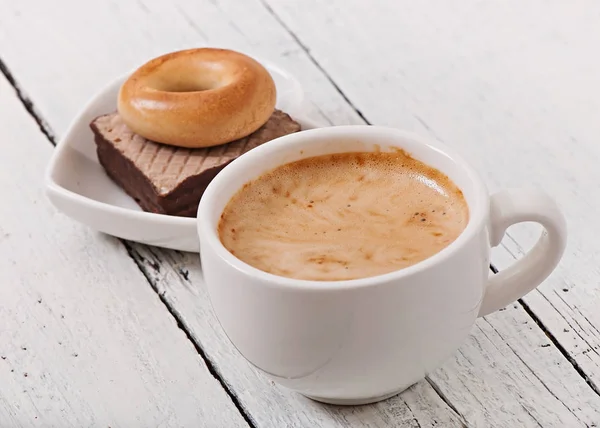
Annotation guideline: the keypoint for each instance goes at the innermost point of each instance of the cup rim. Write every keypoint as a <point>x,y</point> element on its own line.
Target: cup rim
<point>208,236</point>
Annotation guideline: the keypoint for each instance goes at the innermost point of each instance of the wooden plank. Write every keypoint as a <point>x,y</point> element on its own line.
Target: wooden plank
<point>83,340</point>
<point>518,387</point>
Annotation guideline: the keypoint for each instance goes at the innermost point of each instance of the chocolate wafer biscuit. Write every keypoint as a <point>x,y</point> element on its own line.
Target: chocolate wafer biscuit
<point>171,180</point>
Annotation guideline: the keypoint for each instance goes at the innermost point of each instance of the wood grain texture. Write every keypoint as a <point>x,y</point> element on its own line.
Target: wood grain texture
<point>398,64</point>
<point>83,340</point>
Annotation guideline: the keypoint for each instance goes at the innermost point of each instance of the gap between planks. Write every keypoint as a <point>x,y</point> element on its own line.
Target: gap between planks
<point>553,339</point>
<point>28,104</point>
<point>313,60</point>
<point>47,131</point>
<point>137,259</point>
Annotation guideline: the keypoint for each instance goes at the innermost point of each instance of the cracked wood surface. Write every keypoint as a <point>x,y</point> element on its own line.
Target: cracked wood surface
<point>411,65</point>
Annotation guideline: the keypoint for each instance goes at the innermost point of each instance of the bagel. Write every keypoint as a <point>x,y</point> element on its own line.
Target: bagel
<point>197,98</point>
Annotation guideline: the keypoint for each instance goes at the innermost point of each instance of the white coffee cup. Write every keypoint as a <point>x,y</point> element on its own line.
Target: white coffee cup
<point>363,340</point>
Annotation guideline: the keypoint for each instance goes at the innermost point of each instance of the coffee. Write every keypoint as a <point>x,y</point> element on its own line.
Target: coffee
<point>343,216</point>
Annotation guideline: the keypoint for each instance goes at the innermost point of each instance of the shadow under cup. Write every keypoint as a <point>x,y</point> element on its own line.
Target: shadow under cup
<point>354,341</point>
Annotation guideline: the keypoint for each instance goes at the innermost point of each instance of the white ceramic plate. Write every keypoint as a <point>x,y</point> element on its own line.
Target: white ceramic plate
<point>78,186</point>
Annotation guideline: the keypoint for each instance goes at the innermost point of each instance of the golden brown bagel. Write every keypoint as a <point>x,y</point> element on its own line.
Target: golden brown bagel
<point>197,98</point>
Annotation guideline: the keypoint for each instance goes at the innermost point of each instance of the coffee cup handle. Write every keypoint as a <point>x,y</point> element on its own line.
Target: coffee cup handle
<point>510,207</point>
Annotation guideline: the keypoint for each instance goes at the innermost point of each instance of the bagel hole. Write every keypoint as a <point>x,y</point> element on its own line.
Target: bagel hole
<point>196,82</point>
<point>188,87</point>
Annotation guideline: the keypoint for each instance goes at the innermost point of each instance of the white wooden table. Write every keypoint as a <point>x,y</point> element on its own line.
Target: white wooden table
<point>95,332</point>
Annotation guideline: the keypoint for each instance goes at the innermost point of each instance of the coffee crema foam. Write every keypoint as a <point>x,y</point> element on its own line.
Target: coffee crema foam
<point>343,216</point>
